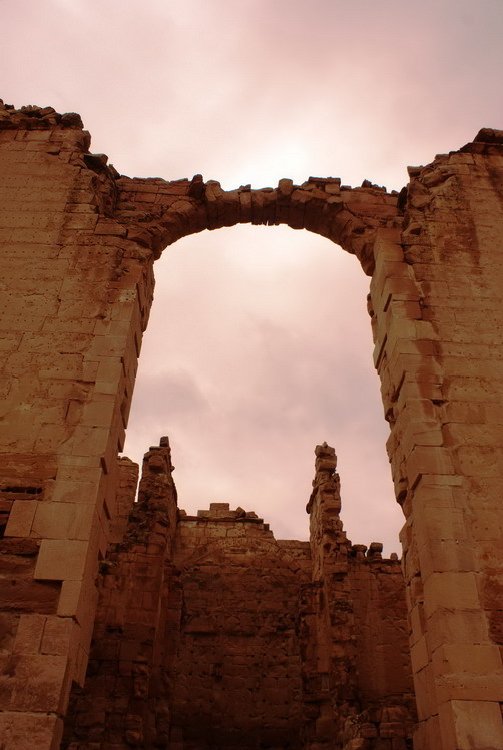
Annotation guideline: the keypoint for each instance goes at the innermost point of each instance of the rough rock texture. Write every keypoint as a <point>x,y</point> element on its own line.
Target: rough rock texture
<point>124,700</point>
<point>356,663</point>
<point>235,670</point>
<point>77,248</point>
<point>210,633</point>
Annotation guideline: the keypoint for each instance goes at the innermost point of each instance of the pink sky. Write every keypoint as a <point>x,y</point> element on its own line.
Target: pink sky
<point>259,342</point>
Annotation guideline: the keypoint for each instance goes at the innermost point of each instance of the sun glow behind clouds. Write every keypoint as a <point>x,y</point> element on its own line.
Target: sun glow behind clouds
<point>271,162</point>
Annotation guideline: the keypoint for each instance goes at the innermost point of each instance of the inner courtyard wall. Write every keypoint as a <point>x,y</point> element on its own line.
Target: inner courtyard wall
<point>235,674</point>
<point>78,243</point>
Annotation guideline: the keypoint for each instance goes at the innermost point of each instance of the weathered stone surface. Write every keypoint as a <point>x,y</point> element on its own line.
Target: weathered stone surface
<point>77,246</point>
<point>215,634</point>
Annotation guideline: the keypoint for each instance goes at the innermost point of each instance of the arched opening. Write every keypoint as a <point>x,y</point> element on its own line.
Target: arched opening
<point>267,347</point>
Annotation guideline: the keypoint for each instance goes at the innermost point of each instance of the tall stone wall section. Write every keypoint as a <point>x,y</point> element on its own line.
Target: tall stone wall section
<point>77,249</point>
<point>235,673</point>
<point>357,665</point>
<point>69,351</point>
<point>436,300</point>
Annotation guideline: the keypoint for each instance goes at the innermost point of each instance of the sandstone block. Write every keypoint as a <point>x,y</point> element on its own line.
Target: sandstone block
<point>57,636</point>
<point>21,518</point>
<point>24,731</point>
<point>425,691</point>
<point>29,634</point>
<point>471,724</point>
<point>40,683</point>
<point>438,556</point>
<point>61,559</point>
<point>419,655</point>
<point>59,520</point>
<point>455,591</point>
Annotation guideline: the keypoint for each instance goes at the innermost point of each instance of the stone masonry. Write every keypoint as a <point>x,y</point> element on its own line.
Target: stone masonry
<point>78,243</point>
<point>210,633</point>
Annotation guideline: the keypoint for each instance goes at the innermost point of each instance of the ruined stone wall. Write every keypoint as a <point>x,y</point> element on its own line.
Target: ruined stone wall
<point>127,484</point>
<point>436,302</point>
<point>382,659</point>
<point>235,676</point>
<point>356,661</point>
<point>77,247</point>
<point>211,634</point>
<point>382,648</point>
<point>124,700</point>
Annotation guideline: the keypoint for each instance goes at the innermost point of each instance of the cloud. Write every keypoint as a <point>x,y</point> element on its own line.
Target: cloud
<point>270,328</point>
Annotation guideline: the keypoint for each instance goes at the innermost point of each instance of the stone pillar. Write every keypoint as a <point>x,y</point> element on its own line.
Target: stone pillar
<point>70,331</point>
<point>329,667</point>
<point>124,701</point>
<point>435,302</point>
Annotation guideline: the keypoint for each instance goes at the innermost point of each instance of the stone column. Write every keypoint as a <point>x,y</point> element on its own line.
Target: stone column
<point>329,666</point>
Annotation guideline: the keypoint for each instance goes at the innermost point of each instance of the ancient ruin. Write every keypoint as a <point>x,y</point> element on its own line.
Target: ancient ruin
<point>208,632</point>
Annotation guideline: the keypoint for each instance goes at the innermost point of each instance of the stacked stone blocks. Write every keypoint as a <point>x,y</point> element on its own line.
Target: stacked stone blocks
<point>78,242</point>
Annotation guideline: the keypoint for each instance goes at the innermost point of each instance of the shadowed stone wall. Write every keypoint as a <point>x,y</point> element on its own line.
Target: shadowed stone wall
<point>212,634</point>
<point>78,242</point>
<point>235,673</point>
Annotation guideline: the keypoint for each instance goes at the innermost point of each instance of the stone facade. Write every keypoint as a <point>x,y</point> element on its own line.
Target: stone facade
<point>77,248</point>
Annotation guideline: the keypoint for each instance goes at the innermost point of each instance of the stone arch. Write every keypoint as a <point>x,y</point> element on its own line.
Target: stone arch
<point>345,326</point>
<point>349,217</point>
<point>413,246</point>
<point>78,245</point>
